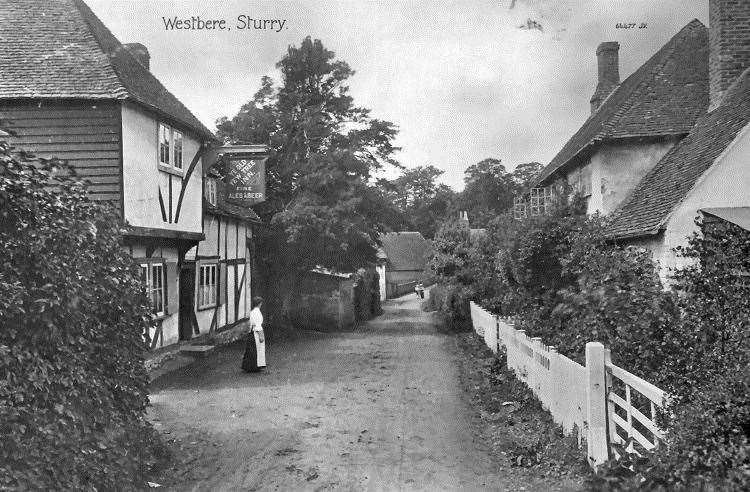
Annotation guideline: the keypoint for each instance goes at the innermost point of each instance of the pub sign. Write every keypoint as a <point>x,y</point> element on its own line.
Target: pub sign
<point>246,180</point>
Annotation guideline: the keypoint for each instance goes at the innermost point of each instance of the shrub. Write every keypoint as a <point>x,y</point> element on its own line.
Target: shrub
<point>73,390</point>
<point>704,365</point>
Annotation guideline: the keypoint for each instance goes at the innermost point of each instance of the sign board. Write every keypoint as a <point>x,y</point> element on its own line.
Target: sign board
<point>246,180</point>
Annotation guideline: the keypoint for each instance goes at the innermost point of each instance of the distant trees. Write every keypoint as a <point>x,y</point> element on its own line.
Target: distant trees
<point>423,202</point>
<point>490,188</point>
<point>489,191</point>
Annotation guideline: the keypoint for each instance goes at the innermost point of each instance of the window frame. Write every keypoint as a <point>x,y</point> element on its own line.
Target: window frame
<point>211,191</point>
<point>148,268</point>
<point>177,136</point>
<point>207,293</point>
<point>164,130</point>
<point>175,164</point>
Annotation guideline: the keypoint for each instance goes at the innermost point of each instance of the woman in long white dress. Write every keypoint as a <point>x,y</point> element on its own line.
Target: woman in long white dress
<point>255,350</point>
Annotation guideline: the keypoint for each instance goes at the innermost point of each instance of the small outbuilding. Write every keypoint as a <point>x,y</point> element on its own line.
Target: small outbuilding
<point>403,262</point>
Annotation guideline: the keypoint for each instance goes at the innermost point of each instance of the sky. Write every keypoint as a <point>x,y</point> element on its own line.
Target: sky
<point>460,79</point>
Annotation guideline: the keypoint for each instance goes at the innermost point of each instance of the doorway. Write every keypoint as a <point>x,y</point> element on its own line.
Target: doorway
<point>187,300</point>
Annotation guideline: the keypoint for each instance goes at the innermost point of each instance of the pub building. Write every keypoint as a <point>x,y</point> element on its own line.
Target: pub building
<point>74,92</point>
<point>218,270</point>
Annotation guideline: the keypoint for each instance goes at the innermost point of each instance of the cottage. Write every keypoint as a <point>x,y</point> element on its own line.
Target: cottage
<point>402,262</point>
<point>710,167</point>
<point>633,123</point>
<point>668,141</point>
<point>69,89</point>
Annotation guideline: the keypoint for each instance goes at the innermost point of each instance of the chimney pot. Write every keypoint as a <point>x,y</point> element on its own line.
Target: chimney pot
<point>608,61</point>
<point>140,53</point>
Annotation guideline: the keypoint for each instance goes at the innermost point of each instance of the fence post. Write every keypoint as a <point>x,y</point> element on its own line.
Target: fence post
<point>596,396</point>
<point>611,431</point>
<point>497,334</point>
<point>520,362</point>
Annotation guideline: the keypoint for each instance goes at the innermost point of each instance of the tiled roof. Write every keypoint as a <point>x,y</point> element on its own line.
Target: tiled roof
<point>406,250</point>
<point>666,185</point>
<point>60,49</point>
<point>665,96</point>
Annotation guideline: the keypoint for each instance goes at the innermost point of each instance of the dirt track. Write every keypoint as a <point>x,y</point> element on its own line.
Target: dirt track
<point>380,408</point>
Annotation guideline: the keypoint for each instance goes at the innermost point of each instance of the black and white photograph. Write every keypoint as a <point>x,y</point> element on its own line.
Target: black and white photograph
<point>375,245</point>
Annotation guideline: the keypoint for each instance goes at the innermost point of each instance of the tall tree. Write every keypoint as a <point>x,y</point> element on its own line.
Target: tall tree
<point>422,201</point>
<point>322,205</point>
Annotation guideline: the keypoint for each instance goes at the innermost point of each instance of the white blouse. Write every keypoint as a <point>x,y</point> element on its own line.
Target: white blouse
<point>256,320</point>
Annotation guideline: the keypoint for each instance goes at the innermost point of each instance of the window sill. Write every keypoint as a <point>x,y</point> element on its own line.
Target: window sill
<point>159,317</point>
<point>206,308</point>
<point>171,170</point>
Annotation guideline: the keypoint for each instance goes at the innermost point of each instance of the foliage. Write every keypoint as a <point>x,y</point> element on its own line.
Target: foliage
<point>489,188</point>
<point>564,283</point>
<point>704,365</point>
<point>423,202</point>
<point>322,206</point>
<point>73,390</point>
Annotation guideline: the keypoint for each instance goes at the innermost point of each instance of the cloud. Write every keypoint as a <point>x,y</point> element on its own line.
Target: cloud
<point>459,78</point>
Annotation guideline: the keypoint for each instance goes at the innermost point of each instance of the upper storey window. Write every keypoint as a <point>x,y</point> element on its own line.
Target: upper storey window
<point>170,148</point>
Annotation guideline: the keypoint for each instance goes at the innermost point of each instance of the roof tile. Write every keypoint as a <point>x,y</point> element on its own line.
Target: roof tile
<point>406,250</point>
<point>669,182</point>
<point>60,49</point>
<point>665,96</point>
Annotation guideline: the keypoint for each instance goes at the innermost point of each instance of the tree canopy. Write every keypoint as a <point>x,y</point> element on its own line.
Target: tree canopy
<point>323,205</point>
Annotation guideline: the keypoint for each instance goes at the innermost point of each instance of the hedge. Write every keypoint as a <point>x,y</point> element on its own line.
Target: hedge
<point>73,388</point>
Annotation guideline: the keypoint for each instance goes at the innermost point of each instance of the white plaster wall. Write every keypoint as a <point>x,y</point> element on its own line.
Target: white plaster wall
<point>142,179</point>
<point>209,246</point>
<point>230,295</point>
<point>381,281</point>
<point>725,184</point>
<point>204,318</point>
<point>619,167</point>
<point>242,311</point>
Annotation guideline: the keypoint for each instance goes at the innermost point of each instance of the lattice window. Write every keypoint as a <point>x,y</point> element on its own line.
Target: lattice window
<point>519,208</point>
<point>540,201</point>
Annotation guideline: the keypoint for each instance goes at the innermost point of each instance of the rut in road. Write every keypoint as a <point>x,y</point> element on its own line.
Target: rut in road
<point>379,408</point>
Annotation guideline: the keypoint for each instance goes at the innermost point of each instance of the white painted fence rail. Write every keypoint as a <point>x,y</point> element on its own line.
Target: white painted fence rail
<point>602,402</point>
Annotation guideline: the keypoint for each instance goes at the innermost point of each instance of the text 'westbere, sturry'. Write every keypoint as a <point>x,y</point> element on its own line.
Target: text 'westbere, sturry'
<point>243,22</point>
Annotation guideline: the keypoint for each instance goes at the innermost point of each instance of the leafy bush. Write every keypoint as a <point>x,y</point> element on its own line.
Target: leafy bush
<point>704,365</point>
<point>561,281</point>
<point>73,390</point>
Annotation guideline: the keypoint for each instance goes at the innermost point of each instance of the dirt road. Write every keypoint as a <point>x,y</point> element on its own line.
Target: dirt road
<point>380,408</point>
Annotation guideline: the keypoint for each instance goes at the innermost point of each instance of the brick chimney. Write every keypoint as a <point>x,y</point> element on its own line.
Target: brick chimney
<point>608,59</point>
<point>140,53</point>
<point>729,44</point>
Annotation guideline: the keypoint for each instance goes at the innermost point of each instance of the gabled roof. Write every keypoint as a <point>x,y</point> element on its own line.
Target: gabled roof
<point>59,49</point>
<point>664,97</point>
<point>406,250</point>
<point>647,209</point>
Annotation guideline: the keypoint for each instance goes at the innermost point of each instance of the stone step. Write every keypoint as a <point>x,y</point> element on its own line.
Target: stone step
<point>197,350</point>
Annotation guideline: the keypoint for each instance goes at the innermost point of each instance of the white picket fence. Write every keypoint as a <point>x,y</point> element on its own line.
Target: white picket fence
<point>604,403</point>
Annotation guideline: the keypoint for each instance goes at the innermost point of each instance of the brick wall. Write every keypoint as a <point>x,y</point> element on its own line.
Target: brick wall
<point>729,39</point>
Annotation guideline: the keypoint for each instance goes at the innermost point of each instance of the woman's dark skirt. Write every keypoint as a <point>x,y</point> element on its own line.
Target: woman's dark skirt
<point>250,360</point>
